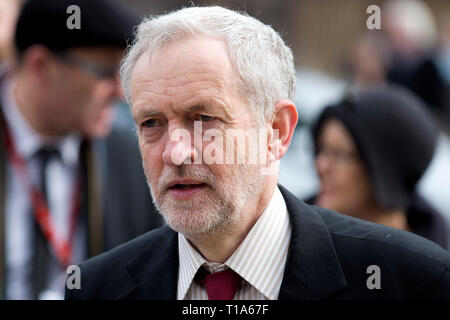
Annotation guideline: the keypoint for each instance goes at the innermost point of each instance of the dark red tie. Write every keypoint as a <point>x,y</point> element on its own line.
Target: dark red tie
<point>220,285</point>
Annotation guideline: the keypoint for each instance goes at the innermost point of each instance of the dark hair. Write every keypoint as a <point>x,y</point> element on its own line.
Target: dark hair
<point>394,135</point>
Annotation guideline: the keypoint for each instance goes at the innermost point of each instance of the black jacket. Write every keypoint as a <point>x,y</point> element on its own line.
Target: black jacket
<point>423,219</point>
<point>328,257</point>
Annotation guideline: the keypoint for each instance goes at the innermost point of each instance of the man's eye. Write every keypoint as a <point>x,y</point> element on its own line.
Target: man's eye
<point>149,123</point>
<point>205,118</point>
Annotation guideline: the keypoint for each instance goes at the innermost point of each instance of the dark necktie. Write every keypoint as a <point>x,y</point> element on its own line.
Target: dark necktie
<point>220,285</point>
<point>42,255</point>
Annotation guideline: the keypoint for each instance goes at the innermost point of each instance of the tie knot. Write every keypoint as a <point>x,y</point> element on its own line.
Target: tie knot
<point>46,153</point>
<point>220,285</point>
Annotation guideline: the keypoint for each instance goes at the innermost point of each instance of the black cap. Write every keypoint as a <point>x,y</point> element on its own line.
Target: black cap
<point>102,23</point>
<point>394,135</point>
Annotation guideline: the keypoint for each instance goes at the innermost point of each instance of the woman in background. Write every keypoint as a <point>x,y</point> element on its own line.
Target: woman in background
<point>371,150</point>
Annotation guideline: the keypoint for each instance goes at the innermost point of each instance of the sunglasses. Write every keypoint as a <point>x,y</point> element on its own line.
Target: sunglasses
<point>94,69</point>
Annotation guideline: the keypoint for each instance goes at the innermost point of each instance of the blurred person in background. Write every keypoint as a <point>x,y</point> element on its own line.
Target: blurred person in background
<point>369,58</point>
<point>414,39</point>
<point>9,12</point>
<point>65,194</point>
<point>409,51</point>
<point>371,150</point>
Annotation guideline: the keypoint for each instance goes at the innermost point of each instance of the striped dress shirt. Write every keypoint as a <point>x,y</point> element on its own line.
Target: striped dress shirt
<point>260,258</point>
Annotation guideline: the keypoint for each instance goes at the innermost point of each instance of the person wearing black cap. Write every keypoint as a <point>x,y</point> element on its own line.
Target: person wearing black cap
<point>64,195</point>
<point>371,150</point>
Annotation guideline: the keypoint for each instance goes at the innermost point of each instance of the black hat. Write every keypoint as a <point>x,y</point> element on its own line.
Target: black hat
<point>394,135</point>
<point>102,23</point>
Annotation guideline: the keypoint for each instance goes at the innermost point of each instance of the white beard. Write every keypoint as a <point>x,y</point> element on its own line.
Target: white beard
<point>203,214</point>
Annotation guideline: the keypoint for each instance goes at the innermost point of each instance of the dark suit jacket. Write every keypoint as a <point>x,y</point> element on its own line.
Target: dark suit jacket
<point>116,203</point>
<point>423,219</point>
<point>328,257</point>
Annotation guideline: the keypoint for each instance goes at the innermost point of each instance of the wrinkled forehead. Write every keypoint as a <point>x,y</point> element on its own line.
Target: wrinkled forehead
<point>200,61</point>
<point>185,75</point>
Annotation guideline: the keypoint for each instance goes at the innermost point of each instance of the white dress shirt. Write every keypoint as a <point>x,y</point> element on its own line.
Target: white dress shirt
<point>61,175</point>
<point>260,259</point>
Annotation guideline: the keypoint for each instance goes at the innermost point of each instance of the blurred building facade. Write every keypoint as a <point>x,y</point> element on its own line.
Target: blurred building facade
<point>319,31</point>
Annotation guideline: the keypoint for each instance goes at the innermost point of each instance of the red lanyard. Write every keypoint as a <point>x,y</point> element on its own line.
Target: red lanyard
<point>61,247</point>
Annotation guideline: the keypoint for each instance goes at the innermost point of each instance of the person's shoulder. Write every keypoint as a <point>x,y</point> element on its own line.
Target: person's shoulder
<point>410,265</point>
<point>357,232</point>
<point>104,274</point>
<point>126,251</point>
<point>351,228</point>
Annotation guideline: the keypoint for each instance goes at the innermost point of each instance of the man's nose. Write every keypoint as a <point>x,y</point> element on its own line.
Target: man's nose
<point>180,148</point>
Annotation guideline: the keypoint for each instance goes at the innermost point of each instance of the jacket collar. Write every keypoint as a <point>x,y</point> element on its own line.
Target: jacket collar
<point>312,266</point>
<point>155,269</point>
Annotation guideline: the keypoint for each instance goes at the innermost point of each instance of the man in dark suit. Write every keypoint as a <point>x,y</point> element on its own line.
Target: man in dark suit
<point>65,194</point>
<point>210,91</point>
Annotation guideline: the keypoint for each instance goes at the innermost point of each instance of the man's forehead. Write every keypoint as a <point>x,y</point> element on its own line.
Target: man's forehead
<point>199,66</point>
<point>200,54</point>
<point>209,105</point>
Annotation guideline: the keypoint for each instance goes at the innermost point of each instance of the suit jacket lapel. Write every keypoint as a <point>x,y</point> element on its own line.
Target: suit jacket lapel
<point>155,270</point>
<point>312,267</point>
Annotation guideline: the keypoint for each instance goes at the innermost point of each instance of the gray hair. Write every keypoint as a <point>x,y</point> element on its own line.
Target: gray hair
<point>264,63</point>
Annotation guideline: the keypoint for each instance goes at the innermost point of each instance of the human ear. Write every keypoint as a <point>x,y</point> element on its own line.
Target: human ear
<point>37,61</point>
<point>283,125</point>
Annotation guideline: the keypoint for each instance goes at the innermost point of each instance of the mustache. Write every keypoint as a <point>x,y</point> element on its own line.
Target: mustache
<point>200,173</point>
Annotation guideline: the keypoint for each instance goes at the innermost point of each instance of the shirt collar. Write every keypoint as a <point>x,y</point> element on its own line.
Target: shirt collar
<point>272,230</point>
<point>26,140</point>
<point>190,261</point>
